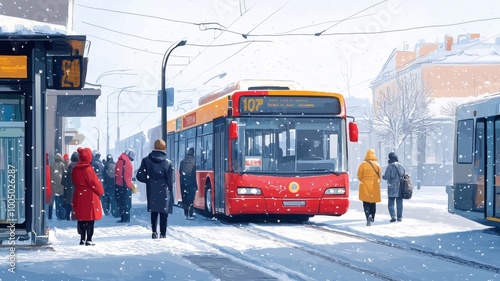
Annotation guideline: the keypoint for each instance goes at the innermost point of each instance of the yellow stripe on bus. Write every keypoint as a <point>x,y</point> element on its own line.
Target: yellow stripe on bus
<point>218,108</point>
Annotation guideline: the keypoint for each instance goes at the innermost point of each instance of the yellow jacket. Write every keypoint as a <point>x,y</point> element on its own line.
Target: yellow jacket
<point>369,181</point>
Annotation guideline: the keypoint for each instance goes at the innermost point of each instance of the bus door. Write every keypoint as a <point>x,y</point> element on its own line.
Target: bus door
<point>220,160</point>
<point>479,165</point>
<point>492,197</point>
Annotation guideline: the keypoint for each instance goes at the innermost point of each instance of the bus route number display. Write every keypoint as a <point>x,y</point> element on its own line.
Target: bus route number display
<point>289,105</point>
<point>68,72</point>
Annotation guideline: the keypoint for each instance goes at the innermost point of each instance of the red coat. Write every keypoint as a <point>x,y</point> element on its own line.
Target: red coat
<point>88,188</point>
<point>48,185</point>
<point>123,171</point>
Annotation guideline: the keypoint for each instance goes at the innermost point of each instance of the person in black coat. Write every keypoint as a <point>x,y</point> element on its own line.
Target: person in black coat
<point>187,174</point>
<point>97,165</point>
<point>157,172</point>
<point>69,188</point>
<point>109,203</point>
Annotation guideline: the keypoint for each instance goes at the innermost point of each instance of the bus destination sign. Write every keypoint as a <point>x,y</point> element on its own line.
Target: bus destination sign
<point>289,105</point>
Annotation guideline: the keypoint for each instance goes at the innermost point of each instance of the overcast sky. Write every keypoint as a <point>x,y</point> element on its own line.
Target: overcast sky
<point>280,44</point>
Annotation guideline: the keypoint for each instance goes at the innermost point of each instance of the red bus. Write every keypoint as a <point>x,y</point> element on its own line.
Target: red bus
<point>266,148</point>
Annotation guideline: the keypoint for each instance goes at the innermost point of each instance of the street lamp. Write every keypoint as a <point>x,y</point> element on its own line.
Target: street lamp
<point>98,137</point>
<point>164,102</point>
<point>118,113</point>
<point>222,75</point>
<point>107,115</point>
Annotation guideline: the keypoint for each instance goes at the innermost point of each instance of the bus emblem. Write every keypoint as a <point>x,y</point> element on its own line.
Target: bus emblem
<point>293,187</point>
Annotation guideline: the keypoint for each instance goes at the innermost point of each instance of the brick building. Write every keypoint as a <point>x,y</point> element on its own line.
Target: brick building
<point>453,71</point>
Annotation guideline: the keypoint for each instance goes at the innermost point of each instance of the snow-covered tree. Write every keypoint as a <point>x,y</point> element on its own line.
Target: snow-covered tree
<point>402,111</point>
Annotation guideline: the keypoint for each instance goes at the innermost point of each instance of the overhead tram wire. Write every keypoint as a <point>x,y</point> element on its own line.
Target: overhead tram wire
<point>166,41</point>
<point>222,32</point>
<point>341,21</point>
<point>322,23</point>
<point>236,51</point>
<point>370,32</point>
<point>213,66</point>
<point>272,14</point>
<point>224,29</point>
<point>143,15</point>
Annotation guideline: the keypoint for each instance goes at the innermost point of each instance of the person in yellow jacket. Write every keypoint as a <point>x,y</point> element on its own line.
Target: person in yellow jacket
<point>369,174</point>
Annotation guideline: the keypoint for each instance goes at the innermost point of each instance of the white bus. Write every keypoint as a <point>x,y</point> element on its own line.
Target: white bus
<point>475,192</point>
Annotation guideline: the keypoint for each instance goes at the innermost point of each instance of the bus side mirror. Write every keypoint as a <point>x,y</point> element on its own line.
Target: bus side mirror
<point>233,130</point>
<point>353,131</point>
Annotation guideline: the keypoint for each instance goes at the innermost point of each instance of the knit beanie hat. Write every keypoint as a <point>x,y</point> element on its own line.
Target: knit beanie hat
<point>130,153</point>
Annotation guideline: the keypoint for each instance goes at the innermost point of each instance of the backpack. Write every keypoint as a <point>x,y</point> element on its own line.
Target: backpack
<point>406,187</point>
<point>65,179</point>
<point>110,170</point>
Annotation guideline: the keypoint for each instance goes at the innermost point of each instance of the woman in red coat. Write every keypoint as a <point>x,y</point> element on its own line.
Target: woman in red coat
<point>48,186</point>
<point>86,197</point>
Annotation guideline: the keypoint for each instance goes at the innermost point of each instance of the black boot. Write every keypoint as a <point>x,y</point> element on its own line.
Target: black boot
<point>121,218</point>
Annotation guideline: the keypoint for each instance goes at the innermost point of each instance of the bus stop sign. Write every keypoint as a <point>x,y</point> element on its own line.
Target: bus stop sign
<point>169,93</point>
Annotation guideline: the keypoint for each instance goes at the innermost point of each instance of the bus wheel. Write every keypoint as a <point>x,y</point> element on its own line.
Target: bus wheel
<point>208,200</point>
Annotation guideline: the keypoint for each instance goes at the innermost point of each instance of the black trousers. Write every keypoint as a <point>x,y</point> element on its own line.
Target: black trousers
<point>370,209</point>
<point>187,200</point>
<point>86,230</point>
<point>163,222</point>
<point>124,202</point>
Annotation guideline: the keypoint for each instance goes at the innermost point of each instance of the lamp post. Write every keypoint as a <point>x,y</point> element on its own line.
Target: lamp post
<point>107,116</point>
<point>164,101</point>
<point>118,113</point>
<point>98,137</point>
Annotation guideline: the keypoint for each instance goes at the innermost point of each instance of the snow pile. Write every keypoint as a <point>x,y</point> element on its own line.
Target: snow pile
<point>13,25</point>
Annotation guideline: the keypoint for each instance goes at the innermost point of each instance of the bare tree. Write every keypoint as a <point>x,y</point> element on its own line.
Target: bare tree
<point>450,109</point>
<point>402,113</point>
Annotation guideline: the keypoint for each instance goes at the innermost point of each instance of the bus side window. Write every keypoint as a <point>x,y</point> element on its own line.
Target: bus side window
<point>255,151</point>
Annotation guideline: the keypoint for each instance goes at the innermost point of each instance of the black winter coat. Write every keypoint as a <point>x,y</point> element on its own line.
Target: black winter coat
<point>157,173</point>
<point>187,173</point>
<point>98,168</point>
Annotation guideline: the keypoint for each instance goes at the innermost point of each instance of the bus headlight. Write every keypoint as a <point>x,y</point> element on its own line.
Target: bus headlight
<point>335,190</point>
<point>248,191</point>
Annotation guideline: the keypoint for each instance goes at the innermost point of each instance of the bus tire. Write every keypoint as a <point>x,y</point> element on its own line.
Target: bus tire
<point>208,200</point>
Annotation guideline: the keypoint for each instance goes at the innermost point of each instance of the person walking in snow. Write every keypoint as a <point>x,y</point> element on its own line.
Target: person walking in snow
<point>86,197</point>
<point>393,174</point>
<point>369,185</point>
<point>187,174</point>
<point>157,172</point>
<point>123,184</point>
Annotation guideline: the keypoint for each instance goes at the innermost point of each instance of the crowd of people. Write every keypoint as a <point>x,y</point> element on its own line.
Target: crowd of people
<point>85,188</point>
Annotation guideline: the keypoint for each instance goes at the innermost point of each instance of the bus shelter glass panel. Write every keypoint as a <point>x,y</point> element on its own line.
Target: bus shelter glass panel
<point>12,166</point>
<point>284,145</point>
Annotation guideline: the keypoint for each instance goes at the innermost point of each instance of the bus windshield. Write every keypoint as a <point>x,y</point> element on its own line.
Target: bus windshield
<point>284,145</point>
